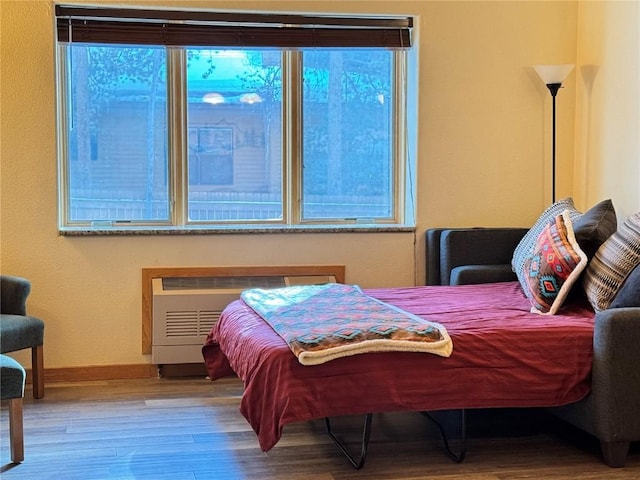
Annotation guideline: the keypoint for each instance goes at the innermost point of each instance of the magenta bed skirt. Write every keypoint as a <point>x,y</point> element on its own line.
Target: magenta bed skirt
<point>503,356</point>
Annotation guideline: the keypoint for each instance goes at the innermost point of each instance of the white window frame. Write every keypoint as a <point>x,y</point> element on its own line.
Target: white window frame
<point>403,156</point>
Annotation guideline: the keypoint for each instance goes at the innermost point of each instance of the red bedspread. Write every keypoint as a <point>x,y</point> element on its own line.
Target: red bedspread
<point>503,356</point>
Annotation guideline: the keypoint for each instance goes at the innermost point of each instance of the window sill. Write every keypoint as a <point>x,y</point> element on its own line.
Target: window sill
<point>232,229</point>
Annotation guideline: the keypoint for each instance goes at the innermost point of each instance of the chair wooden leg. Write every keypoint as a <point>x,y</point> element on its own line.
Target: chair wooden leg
<point>16,430</point>
<point>37,370</point>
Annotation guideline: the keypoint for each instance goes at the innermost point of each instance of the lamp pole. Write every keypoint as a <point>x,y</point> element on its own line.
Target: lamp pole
<point>553,76</point>
<point>553,88</point>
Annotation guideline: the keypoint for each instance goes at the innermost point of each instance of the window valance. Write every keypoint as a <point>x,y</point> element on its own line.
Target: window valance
<point>228,29</point>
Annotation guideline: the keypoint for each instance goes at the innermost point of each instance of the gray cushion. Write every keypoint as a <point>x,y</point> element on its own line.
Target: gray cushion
<point>629,293</point>
<point>18,332</point>
<point>12,377</point>
<point>595,226</point>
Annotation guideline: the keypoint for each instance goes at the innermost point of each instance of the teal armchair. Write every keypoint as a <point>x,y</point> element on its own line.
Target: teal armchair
<point>18,330</point>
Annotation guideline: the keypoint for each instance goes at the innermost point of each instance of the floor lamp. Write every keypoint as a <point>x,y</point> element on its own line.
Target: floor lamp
<point>553,76</point>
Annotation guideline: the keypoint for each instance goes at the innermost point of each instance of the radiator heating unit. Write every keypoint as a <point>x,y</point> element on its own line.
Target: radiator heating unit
<point>186,308</point>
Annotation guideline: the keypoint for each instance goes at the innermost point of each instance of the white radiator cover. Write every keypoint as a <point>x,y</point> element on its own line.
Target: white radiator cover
<point>185,310</point>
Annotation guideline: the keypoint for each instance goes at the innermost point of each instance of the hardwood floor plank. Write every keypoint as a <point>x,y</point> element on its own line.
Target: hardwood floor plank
<point>53,445</point>
<point>191,429</point>
<point>159,476</point>
<point>194,402</point>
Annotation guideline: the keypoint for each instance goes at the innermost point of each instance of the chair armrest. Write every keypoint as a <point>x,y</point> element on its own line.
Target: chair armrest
<point>432,237</point>
<point>13,294</point>
<point>470,274</point>
<point>452,248</point>
<point>616,376</point>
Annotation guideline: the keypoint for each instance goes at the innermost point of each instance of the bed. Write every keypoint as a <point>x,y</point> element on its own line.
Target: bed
<point>503,356</point>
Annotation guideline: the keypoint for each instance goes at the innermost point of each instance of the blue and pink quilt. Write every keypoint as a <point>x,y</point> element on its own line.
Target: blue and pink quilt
<point>320,323</point>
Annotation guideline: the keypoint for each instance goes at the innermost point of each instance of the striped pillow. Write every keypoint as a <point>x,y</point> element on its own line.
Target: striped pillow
<point>613,262</point>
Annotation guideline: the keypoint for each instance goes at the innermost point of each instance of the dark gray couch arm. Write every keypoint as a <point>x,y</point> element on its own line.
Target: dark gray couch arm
<point>457,256</point>
<point>611,410</point>
<point>616,381</point>
<point>470,274</point>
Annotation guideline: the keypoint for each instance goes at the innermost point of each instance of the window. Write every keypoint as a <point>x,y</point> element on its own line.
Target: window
<point>205,119</point>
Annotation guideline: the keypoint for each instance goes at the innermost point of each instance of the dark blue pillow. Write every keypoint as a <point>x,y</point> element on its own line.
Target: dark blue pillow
<point>629,293</point>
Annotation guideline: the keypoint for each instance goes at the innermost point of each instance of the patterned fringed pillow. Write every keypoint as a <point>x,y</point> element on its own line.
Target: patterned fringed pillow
<point>616,258</point>
<point>554,266</point>
<point>525,247</point>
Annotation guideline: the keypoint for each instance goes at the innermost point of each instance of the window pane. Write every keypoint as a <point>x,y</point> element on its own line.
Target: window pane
<point>234,135</point>
<point>117,134</point>
<point>347,143</point>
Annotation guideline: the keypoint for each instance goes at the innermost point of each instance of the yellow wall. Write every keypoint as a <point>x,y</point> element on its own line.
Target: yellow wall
<point>483,159</point>
<point>607,163</point>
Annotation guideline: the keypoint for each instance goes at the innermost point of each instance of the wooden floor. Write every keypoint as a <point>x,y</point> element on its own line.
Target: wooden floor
<point>155,429</point>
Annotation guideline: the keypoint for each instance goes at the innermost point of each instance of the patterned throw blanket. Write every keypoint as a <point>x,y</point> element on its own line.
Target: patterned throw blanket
<point>324,322</point>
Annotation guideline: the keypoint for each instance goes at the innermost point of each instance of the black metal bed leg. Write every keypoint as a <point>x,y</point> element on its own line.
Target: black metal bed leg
<point>459,457</point>
<point>359,463</point>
